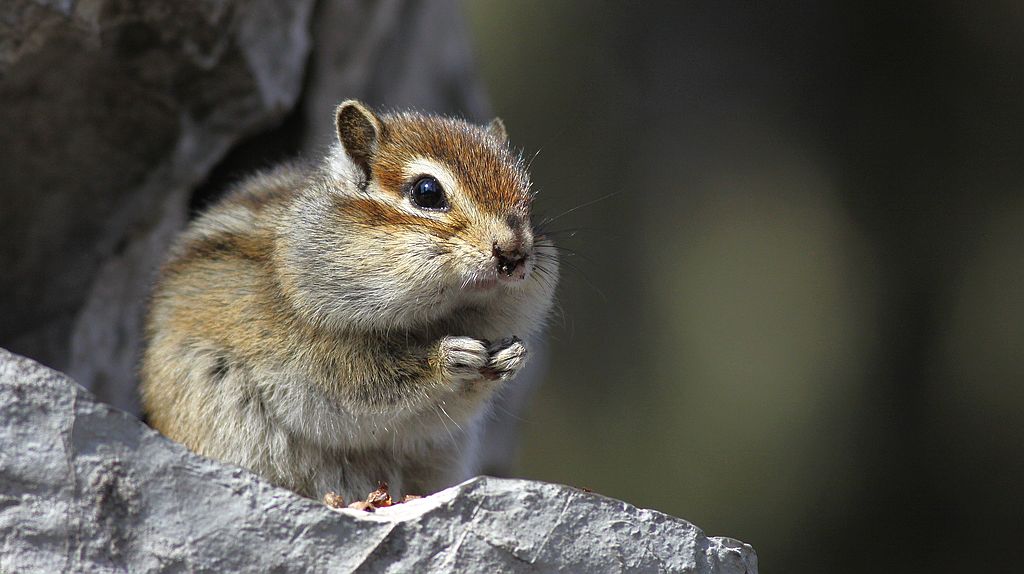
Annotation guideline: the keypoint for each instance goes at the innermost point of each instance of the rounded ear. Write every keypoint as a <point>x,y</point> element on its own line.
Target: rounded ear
<point>358,130</point>
<point>497,129</point>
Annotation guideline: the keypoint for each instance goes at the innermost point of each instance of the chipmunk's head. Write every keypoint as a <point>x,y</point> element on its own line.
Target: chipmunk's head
<point>417,217</point>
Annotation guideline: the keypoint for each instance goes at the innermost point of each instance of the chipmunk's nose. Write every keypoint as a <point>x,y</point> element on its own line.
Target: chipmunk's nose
<point>511,246</point>
<point>508,258</point>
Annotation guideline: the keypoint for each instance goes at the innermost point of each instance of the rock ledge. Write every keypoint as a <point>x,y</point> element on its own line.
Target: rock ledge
<point>85,487</point>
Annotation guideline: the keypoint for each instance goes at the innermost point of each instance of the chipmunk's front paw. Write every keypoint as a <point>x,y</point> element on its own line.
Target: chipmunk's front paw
<point>507,357</point>
<point>462,358</point>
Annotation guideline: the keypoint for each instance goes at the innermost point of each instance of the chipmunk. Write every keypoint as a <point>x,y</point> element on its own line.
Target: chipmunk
<point>332,325</point>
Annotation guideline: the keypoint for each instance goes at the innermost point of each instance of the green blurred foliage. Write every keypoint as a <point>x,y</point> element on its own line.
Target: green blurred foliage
<point>792,308</point>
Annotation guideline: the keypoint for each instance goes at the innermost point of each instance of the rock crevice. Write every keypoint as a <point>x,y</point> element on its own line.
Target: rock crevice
<point>86,488</point>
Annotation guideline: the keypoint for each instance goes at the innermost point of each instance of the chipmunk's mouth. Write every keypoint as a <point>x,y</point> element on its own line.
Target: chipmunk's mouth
<point>513,277</point>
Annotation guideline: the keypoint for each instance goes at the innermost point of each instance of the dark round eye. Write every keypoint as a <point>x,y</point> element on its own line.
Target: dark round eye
<point>427,193</point>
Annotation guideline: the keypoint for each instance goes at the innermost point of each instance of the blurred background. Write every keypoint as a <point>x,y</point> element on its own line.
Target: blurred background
<point>792,305</point>
<point>799,320</point>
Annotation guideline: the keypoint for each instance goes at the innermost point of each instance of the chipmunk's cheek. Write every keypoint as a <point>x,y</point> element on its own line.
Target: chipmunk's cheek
<point>481,284</point>
<point>522,274</point>
<point>435,250</point>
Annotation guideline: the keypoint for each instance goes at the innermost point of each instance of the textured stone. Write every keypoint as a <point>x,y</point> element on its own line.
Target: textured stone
<point>87,488</point>
<point>393,55</point>
<point>112,111</point>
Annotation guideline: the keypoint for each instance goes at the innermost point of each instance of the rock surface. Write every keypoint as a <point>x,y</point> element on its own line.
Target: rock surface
<point>112,112</point>
<point>87,488</point>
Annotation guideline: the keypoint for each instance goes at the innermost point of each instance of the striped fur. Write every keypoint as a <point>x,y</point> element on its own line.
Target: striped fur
<point>319,329</point>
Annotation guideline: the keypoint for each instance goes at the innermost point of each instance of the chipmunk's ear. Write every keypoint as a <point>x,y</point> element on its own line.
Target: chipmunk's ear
<point>497,129</point>
<point>358,130</point>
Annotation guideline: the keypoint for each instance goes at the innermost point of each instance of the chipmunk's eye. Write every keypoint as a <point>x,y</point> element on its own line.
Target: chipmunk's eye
<point>427,193</point>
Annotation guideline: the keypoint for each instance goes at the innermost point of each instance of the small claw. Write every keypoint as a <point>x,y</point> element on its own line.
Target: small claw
<point>508,356</point>
<point>463,357</point>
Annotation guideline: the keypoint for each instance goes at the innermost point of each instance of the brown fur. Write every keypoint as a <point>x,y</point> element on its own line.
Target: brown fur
<point>490,173</point>
<point>318,329</point>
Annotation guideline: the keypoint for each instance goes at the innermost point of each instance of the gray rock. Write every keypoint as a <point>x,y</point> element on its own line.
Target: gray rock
<point>87,488</point>
<point>393,55</point>
<point>112,112</point>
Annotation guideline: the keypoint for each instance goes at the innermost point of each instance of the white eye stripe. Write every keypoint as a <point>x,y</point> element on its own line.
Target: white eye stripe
<point>424,166</point>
